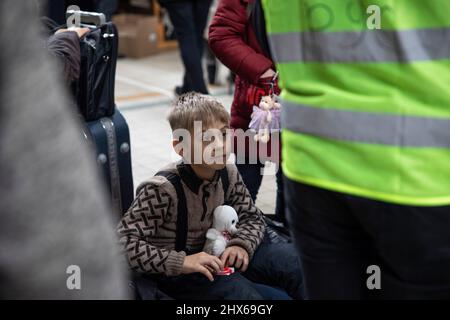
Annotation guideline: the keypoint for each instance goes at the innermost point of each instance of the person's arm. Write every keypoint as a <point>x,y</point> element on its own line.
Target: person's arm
<point>65,45</point>
<point>251,222</point>
<point>226,40</point>
<point>140,222</point>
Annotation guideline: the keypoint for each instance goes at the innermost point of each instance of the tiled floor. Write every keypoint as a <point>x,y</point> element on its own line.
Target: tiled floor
<point>143,94</point>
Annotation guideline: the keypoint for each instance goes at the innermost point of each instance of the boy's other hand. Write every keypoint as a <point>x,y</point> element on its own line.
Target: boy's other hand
<point>203,263</point>
<point>235,256</point>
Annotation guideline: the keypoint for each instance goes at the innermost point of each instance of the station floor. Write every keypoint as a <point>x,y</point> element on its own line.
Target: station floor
<point>144,92</point>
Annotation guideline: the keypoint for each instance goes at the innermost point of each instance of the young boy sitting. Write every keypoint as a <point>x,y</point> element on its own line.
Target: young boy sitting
<point>164,231</point>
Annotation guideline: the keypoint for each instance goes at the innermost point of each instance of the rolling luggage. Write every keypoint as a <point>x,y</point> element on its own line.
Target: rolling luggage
<point>105,126</point>
<point>111,139</point>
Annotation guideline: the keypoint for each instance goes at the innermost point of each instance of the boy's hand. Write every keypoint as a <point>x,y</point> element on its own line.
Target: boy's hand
<point>235,256</point>
<point>203,263</point>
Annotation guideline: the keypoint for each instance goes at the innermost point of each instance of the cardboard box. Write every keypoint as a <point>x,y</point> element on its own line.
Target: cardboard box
<point>137,34</point>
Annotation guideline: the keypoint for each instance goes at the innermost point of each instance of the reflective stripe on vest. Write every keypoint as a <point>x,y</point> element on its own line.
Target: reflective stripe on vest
<point>365,111</point>
<point>361,46</point>
<point>367,127</point>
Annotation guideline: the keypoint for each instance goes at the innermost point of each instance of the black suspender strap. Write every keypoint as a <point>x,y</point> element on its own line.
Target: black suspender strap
<point>225,183</point>
<point>182,214</point>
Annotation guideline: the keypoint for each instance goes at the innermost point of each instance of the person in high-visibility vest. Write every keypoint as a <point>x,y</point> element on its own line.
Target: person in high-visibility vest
<point>366,143</point>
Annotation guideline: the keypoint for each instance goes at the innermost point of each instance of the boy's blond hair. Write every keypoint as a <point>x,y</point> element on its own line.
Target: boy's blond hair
<point>194,106</point>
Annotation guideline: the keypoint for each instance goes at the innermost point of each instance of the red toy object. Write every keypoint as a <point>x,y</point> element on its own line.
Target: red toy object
<point>226,271</point>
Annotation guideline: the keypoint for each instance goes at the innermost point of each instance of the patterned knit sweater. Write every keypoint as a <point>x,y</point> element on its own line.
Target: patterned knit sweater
<point>148,230</point>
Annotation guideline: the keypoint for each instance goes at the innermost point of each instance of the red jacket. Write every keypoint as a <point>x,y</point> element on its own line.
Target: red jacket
<point>234,43</point>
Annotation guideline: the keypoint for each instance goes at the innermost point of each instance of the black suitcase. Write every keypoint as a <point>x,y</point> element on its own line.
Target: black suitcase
<point>105,126</point>
<point>111,139</point>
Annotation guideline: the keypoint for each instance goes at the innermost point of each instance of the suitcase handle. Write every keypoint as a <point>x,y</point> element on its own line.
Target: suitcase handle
<point>85,18</point>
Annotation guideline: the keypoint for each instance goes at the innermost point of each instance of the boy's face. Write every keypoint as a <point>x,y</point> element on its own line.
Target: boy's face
<point>209,147</point>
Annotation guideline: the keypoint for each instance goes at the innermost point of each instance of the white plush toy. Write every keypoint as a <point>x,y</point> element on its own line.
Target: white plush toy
<point>224,226</point>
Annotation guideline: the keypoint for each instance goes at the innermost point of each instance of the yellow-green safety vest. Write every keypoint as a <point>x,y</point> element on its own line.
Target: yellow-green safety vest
<point>366,96</point>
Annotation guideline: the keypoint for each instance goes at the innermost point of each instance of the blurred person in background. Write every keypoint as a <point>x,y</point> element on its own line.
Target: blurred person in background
<point>189,18</point>
<point>56,9</point>
<point>237,38</point>
<point>107,7</point>
<point>211,60</point>
<point>55,216</point>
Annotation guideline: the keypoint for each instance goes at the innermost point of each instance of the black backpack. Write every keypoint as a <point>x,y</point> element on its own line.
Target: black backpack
<point>94,91</point>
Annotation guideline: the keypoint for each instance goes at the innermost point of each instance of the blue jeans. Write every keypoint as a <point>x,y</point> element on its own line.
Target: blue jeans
<point>196,286</point>
<point>277,265</point>
<point>273,274</point>
<point>233,287</point>
<point>271,293</point>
